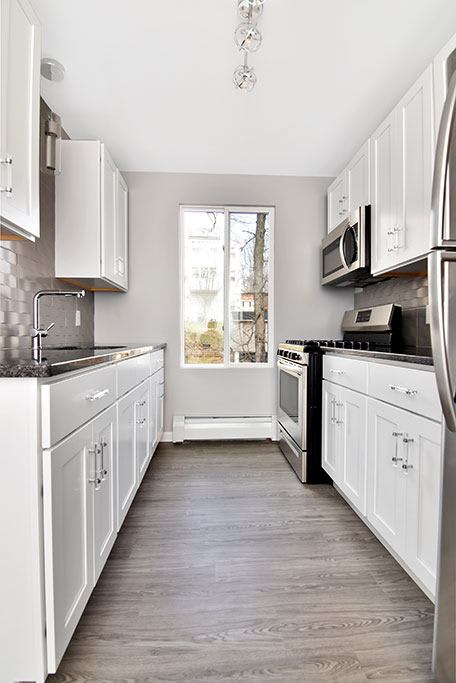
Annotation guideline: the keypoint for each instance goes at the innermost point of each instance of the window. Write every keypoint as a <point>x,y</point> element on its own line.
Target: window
<point>226,285</point>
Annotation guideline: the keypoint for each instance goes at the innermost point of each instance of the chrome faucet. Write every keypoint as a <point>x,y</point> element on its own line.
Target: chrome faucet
<point>38,333</point>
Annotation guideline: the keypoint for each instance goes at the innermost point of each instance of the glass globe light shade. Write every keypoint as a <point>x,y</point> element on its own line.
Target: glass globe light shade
<point>244,78</point>
<point>248,37</point>
<point>250,10</point>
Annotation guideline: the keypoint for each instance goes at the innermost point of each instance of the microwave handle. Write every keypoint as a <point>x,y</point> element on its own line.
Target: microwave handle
<point>341,250</point>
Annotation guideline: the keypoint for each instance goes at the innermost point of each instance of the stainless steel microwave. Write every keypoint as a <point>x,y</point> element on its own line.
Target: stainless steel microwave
<point>345,252</point>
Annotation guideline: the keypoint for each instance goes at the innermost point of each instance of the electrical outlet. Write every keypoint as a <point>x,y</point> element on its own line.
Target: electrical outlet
<point>77,322</point>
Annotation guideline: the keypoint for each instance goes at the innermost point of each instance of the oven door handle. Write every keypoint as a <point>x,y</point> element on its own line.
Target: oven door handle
<point>289,370</point>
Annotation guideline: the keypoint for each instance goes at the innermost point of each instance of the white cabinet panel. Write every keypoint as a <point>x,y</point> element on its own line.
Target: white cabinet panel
<point>385,180</point>
<point>348,372</point>
<point>142,426</point>
<point>358,178</point>
<point>108,216</point>
<point>127,474</point>
<point>423,459</point>
<point>352,416</point>
<point>337,201</point>
<point>68,481</point>
<point>121,256</point>
<point>386,485</point>
<point>132,372</point>
<point>20,117</point>
<point>416,145</point>
<point>331,432</point>
<point>104,504</point>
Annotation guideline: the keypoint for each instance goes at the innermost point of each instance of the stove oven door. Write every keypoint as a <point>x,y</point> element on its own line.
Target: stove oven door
<point>292,390</point>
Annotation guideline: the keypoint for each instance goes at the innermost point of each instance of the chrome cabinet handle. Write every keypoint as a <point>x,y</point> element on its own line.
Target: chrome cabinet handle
<point>140,403</point>
<point>333,410</point>
<point>8,161</point>
<point>141,421</point>
<point>96,479</point>
<point>103,470</point>
<point>339,404</point>
<point>395,457</point>
<point>96,395</point>
<point>337,372</point>
<point>403,390</point>
<point>407,440</point>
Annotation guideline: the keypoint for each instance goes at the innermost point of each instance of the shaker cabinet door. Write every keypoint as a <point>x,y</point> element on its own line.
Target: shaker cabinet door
<point>337,202</point>
<point>142,427</point>
<point>68,483</point>
<point>20,117</point>
<point>108,216</point>
<point>104,506</point>
<point>352,417</point>
<point>386,485</point>
<point>121,258</point>
<point>127,474</point>
<point>358,178</point>
<point>331,431</point>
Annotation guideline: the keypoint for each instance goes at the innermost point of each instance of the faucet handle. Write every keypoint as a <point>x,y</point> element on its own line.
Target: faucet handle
<point>49,327</point>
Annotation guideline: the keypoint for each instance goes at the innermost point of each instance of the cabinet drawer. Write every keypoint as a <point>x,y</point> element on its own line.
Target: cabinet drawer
<point>408,388</point>
<point>69,403</point>
<point>348,372</point>
<point>132,372</point>
<point>157,361</point>
<point>161,382</point>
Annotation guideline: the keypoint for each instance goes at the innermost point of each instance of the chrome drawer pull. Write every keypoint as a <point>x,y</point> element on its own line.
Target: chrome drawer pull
<point>140,403</point>
<point>97,395</point>
<point>337,372</point>
<point>8,189</point>
<point>141,422</point>
<point>403,390</point>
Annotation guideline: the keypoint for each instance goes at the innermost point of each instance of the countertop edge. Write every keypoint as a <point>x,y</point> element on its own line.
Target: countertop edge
<point>30,369</point>
<point>383,356</point>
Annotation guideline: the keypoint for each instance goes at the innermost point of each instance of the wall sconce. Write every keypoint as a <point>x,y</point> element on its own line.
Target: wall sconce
<point>53,137</point>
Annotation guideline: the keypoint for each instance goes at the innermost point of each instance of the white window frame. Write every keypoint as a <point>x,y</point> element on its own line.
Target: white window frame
<point>227,210</point>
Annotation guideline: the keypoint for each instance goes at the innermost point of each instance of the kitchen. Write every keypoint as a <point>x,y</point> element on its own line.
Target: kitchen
<point>226,383</point>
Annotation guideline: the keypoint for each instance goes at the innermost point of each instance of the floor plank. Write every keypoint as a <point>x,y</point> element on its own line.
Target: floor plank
<point>227,568</point>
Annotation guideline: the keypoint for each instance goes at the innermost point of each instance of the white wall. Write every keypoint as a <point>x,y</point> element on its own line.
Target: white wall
<point>150,309</point>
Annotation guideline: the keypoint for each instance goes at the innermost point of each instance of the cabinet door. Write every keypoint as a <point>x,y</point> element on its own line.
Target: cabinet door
<point>104,508</point>
<point>121,262</point>
<point>127,474</point>
<point>160,413</point>
<point>416,145</point>
<point>385,178</point>
<point>108,216</point>
<point>331,431</point>
<point>153,400</point>
<point>337,197</point>
<point>142,430</point>
<point>386,485</point>
<point>68,482</point>
<point>352,415</point>
<point>358,178</point>
<point>20,116</point>
<point>443,68</point>
<point>423,459</point>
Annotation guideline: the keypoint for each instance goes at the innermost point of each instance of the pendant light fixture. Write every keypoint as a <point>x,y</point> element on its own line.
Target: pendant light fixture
<point>248,39</point>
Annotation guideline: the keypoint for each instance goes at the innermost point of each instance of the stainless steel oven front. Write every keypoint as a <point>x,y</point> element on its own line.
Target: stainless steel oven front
<point>345,252</point>
<point>292,400</point>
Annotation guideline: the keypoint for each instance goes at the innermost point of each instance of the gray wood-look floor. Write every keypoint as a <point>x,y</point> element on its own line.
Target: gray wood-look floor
<point>227,568</point>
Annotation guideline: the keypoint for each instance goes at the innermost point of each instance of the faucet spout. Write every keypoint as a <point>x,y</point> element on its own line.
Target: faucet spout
<point>38,333</point>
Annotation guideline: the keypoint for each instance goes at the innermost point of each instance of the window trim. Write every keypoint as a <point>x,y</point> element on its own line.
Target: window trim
<point>227,209</point>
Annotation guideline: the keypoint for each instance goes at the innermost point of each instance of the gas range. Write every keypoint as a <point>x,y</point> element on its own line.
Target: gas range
<point>297,350</point>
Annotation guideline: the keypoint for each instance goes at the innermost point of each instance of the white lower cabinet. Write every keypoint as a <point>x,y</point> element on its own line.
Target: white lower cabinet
<point>344,441</point>
<point>68,491</point>
<point>142,427</point>
<point>127,471</point>
<point>404,485</point>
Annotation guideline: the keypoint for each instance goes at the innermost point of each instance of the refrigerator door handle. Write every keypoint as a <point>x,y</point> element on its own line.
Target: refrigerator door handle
<point>436,265</point>
<point>442,155</point>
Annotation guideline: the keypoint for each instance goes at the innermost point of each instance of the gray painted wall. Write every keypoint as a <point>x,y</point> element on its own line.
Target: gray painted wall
<point>150,309</point>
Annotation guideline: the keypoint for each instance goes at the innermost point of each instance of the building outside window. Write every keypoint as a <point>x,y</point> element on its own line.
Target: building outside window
<point>226,286</point>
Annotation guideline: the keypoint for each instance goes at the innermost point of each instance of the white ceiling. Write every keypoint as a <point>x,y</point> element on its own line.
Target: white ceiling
<point>152,78</point>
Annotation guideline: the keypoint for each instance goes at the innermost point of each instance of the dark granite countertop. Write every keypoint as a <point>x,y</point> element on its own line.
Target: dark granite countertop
<point>383,355</point>
<point>58,360</point>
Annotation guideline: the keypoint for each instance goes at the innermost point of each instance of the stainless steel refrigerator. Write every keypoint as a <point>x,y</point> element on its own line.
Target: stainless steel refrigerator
<point>442,290</point>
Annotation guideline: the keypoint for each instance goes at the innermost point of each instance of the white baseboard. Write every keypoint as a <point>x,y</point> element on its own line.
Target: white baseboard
<point>167,437</point>
<point>220,428</point>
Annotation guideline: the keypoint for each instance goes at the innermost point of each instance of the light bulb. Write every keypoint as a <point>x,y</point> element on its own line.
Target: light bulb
<point>248,37</point>
<point>250,11</point>
<point>244,78</point>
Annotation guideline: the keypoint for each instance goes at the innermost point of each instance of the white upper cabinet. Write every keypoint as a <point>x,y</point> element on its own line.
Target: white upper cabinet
<point>20,118</point>
<point>401,179</point>
<point>350,189</point>
<point>91,232</point>
<point>337,198</point>
<point>358,178</point>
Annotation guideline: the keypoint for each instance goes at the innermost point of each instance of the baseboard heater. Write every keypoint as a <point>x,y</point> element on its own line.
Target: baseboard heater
<point>207,428</point>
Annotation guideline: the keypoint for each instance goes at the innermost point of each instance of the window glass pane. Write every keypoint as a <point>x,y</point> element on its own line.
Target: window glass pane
<point>249,274</point>
<point>203,235</point>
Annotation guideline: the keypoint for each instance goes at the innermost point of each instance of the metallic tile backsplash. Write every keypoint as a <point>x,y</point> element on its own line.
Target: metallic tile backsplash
<point>412,294</point>
<point>26,267</point>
